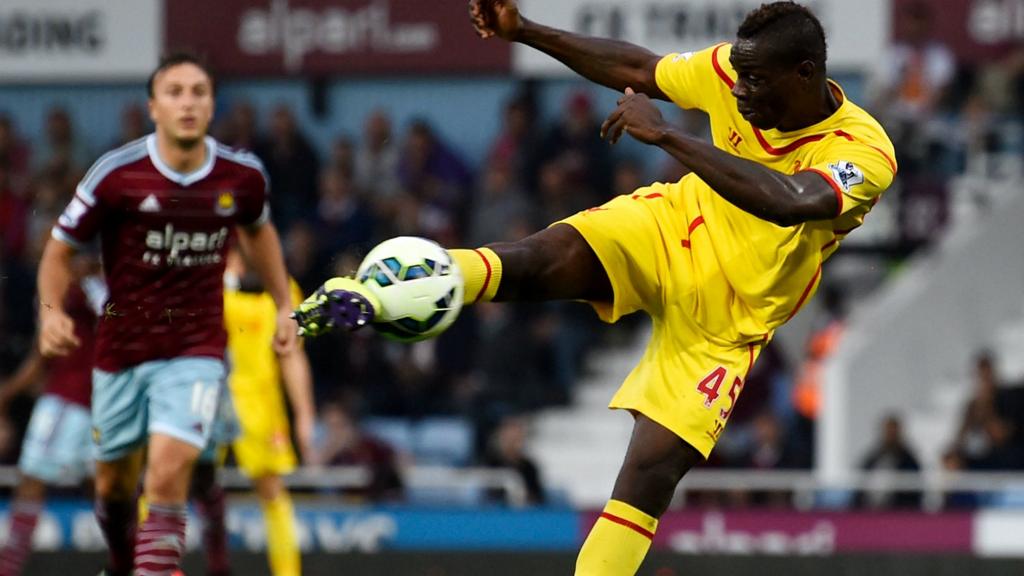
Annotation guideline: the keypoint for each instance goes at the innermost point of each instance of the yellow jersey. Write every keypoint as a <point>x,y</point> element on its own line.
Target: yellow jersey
<point>772,270</point>
<point>250,319</point>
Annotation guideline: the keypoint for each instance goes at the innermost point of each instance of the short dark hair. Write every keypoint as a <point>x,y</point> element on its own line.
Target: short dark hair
<point>797,33</point>
<point>174,59</point>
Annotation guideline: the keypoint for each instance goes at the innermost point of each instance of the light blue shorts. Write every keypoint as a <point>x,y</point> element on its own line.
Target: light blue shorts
<point>56,446</point>
<point>177,398</point>
<point>225,429</point>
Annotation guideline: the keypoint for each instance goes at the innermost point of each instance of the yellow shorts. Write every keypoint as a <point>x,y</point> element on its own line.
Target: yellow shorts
<point>658,258</point>
<point>264,445</point>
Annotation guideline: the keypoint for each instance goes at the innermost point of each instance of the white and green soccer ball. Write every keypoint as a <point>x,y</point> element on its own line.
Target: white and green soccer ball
<point>419,287</point>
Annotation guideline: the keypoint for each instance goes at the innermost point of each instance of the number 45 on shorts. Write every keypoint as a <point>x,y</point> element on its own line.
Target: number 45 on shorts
<point>712,383</point>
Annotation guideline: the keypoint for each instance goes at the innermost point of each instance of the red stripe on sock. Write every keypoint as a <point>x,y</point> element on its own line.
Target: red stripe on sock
<point>631,525</point>
<point>487,279</point>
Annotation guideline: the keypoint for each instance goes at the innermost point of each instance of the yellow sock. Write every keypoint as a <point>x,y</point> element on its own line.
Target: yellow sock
<point>617,543</point>
<point>282,540</point>
<point>481,273</point>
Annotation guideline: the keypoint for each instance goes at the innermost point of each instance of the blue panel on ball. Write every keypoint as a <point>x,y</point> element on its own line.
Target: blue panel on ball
<point>394,265</point>
<point>430,265</point>
<point>414,272</point>
<point>382,279</point>
<point>410,324</point>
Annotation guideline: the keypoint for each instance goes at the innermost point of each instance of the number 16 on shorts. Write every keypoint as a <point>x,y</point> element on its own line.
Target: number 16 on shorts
<point>205,397</point>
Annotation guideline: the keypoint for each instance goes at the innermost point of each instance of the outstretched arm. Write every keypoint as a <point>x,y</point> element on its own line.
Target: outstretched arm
<point>298,384</point>
<point>28,374</point>
<point>611,63</point>
<point>56,329</point>
<point>785,200</point>
<point>262,245</point>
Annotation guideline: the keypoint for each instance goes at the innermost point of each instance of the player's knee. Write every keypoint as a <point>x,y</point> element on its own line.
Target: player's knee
<point>269,487</point>
<point>168,480</point>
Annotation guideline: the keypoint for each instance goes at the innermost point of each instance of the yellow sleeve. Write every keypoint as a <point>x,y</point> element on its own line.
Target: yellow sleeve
<point>295,291</point>
<point>690,79</point>
<point>858,172</point>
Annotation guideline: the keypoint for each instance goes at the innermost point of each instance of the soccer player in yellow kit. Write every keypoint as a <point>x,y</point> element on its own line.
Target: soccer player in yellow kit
<point>264,448</point>
<point>719,260</point>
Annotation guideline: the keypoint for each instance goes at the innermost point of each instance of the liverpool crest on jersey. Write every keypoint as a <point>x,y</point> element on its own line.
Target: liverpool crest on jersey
<point>225,205</point>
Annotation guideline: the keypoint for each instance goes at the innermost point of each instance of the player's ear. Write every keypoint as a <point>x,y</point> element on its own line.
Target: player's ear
<point>806,70</point>
<point>152,112</point>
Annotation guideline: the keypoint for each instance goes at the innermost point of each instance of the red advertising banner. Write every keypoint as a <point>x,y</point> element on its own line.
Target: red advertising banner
<point>318,37</point>
<point>976,30</point>
<point>811,533</point>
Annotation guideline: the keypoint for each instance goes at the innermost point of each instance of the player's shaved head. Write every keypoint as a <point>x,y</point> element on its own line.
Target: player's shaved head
<point>790,31</point>
<point>176,59</point>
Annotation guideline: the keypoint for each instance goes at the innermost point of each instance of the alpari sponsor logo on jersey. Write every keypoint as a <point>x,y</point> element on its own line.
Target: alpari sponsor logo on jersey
<point>168,247</point>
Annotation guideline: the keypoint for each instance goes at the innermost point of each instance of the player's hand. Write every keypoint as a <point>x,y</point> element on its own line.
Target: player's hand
<point>287,335</point>
<point>496,18</point>
<point>636,115</point>
<point>56,333</point>
<point>340,302</point>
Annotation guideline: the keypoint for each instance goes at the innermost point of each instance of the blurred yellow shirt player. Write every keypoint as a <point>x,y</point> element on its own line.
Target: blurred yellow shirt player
<point>718,280</point>
<point>263,448</point>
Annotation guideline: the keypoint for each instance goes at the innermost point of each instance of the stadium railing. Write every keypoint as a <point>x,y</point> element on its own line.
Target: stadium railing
<point>806,487</point>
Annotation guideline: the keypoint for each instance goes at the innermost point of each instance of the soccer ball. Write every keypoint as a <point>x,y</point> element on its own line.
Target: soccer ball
<point>419,287</point>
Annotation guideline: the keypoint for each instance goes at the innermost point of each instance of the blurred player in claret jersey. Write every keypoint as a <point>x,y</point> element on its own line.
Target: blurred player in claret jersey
<point>719,259</point>
<point>165,208</point>
<point>56,449</point>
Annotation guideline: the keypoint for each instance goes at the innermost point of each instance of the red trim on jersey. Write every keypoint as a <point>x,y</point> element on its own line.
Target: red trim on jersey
<point>750,365</point>
<point>788,147</point>
<point>845,232</point>
<point>851,138</point>
<point>689,231</point>
<point>718,67</point>
<point>807,292</point>
<point>835,187</point>
<point>693,225</point>
<point>830,243</point>
<point>631,525</point>
<point>487,279</point>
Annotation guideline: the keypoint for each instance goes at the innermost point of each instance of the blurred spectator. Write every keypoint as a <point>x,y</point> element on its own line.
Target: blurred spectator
<point>987,431</point>
<point>576,140</point>
<point>518,144</point>
<point>301,251</point>
<point>770,449</point>
<point>15,156</point>
<point>627,178</point>
<point>917,71</point>
<point>342,219</point>
<point>346,444</point>
<point>894,455</point>
<point>559,195</point>
<point>508,450</point>
<point>62,151</point>
<point>239,130</point>
<point>376,161</point>
<point>953,463</point>
<point>343,155</point>
<point>293,166</point>
<point>499,207</point>
<point>822,343</point>
<point>134,125</point>
<point>14,210</point>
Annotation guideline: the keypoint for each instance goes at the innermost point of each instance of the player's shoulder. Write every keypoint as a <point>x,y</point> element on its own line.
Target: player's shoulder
<point>110,163</point>
<point>859,129</point>
<point>241,158</point>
